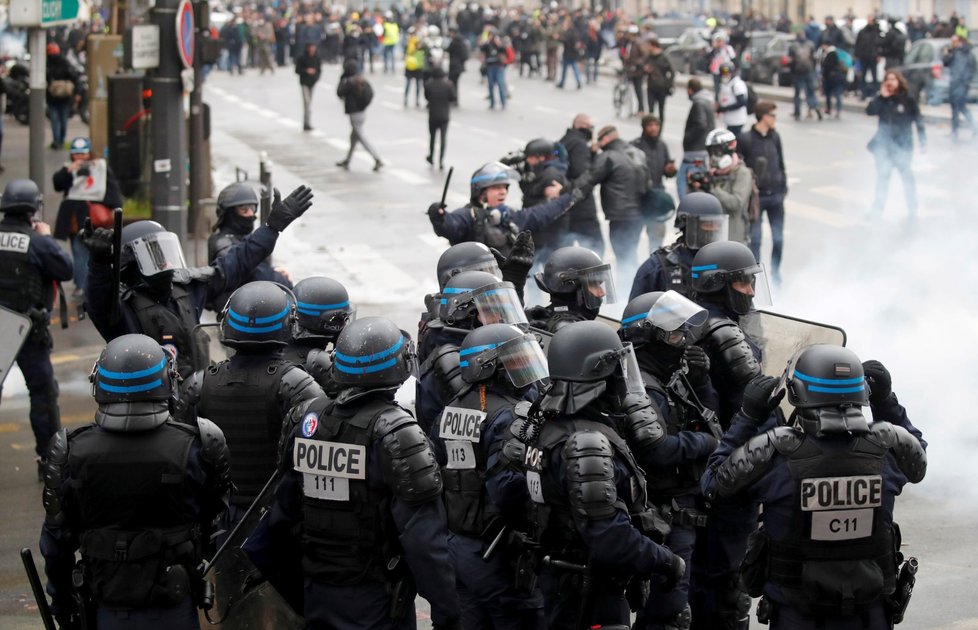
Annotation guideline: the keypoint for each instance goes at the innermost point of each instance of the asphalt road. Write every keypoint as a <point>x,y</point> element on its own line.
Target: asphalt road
<point>903,291</point>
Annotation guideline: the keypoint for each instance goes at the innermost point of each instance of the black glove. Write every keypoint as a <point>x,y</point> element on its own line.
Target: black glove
<point>452,624</point>
<point>294,206</point>
<point>520,258</point>
<point>757,404</point>
<point>99,244</point>
<point>68,620</point>
<point>698,363</point>
<point>675,573</point>
<point>879,380</point>
<point>436,212</point>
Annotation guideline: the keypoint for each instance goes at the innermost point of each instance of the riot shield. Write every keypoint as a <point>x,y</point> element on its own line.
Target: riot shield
<point>17,327</point>
<point>243,598</point>
<point>208,335</point>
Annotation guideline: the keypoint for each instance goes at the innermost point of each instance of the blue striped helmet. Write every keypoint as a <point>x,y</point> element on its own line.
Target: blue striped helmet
<point>373,352</point>
<point>133,368</point>
<point>823,375</point>
<point>322,309</point>
<point>259,314</point>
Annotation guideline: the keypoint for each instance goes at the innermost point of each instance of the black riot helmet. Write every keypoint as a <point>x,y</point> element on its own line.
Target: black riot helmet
<point>234,195</point>
<point>133,382</point>
<point>373,353</point>
<point>584,359</point>
<point>497,348</point>
<point>474,298</point>
<point>827,386</point>
<point>662,316</point>
<point>322,309</point>
<point>151,248</point>
<point>539,147</point>
<point>718,266</point>
<point>259,315</point>
<point>580,274</point>
<point>701,220</point>
<point>20,196</point>
<point>467,256</point>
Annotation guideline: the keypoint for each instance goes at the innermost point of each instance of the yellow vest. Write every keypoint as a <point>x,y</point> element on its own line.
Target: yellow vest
<point>392,33</point>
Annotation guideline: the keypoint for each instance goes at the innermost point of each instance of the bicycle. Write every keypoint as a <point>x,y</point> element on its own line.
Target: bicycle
<point>622,96</point>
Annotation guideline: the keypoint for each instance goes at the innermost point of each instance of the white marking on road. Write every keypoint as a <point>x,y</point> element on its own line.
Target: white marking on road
<point>317,133</point>
<point>336,144</point>
<point>409,177</point>
<point>268,114</point>
<point>434,241</point>
<point>285,122</point>
<point>547,110</point>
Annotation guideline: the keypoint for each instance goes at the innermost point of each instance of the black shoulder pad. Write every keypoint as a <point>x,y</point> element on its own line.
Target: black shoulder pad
<point>728,346</point>
<point>193,274</point>
<point>297,385</point>
<point>589,466</point>
<point>57,460</point>
<point>214,452</point>
<point>751,461</point>
<point>184,409</point>
<point>391,420</point>
<point>910,455</point>
<point>447,371</point>
<point>643,430</point>
<point>410,468</point>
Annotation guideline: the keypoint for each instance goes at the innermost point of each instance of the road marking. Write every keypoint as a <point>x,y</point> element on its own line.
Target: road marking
<point>434,241</point>
<point>267,114</point>
<point>547,110</point>
<point>10,427</point>
<point>316,133</point>
<point>409,177</point>
<point>64,358</point>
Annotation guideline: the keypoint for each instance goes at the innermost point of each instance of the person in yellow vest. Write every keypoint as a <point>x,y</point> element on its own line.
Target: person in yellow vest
<point>392,37</point>
<point>414,65</point>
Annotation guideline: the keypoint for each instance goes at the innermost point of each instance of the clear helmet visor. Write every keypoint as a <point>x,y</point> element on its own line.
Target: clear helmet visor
<point>752,283</point>
<point>703,230</point>
<point>158,252</point>
<point>499,304</point>
<point>597,286</point>
<point>523,360</point>
<point>488,266</point>
<point>674,312</point>
<point>630,371</point>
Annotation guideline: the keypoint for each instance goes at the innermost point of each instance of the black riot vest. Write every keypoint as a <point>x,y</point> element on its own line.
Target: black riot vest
<point>460,427</point>
<point>838,557</point>
<point>550,512</point>
<point>348,531</point>
<point>677,276</point>
<point>551,320</point>
<point>173,328</point>
<point>138,528</point>
<point>21,285</point>
<point>685,478</point>
<point>244,403</point>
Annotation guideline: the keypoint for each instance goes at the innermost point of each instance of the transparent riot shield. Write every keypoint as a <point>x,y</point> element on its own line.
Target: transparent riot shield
<point>244,599</point>
<point>16,327</point>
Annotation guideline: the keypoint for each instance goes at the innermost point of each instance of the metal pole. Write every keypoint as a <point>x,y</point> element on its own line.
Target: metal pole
<point>38,85</point>
<point>167,184</point>
<point>197,122</point>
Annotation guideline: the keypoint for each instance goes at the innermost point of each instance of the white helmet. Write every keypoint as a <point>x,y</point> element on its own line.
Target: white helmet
<point>434,31</point>
<point>721,145</point>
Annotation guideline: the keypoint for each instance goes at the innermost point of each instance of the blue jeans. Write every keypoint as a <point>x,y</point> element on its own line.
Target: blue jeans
<point>886,161</point>
<point>591,69</point>
<point>773,206</point>
<point>686,167</point>
<point>806,82</point>
<point>496,76</point>
<point>59,112</point>
<point>389,57</point>
<point>234,60</point>
<point>833,89</point>
<point>959,107</point>
<point>79,259</point>
<point>566,63</point>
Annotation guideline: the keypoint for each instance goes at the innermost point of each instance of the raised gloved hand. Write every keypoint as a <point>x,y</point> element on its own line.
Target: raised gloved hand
<point>436,212</point>
<point>698,363</point>
<point>879,380</point>
<point>758,404</point>
<point>675,573</point>
<point>520,258</point>
<point>99,243</point>
<point>284,212</point>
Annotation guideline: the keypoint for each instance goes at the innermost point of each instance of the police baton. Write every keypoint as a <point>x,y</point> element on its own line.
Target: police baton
<point>495,543</point>
<point>206,565</point>
<point>35,580</point>
<point>116,264</point>
<point>448,180</point>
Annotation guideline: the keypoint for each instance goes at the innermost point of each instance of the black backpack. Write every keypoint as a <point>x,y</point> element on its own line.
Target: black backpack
<point>751,98</point>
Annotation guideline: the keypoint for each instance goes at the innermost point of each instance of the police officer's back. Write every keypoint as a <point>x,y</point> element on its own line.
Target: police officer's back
<point>700,220</point>
<point>828,554</point>
<point>323,308</point>
<point>359,475</point>
<point>136,493</point>
<point>249,395</point>
<point>31,263</point>
<point>161,298</point>
<point>586,488</point>
<point>578,282</point>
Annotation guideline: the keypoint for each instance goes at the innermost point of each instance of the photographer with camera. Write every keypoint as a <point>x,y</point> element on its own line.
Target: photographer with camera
<point>701,121</point>
<point>91,191</point>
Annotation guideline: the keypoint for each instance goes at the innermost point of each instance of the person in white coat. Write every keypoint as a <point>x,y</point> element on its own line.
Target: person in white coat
<point>732,99</point>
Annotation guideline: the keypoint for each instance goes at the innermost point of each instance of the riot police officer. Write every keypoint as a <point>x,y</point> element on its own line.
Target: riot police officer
<point>359,475</point>
<point>136,493</point>
<point>586,488</point>
<point>249,395</point>
<point>161,298</point>
<point>31,263</point>
<point>487,219</point>
<point>828,553</point>
<point>469,300</point>
<point>700,221</point>
<point>237,207</point>
<point>578,282</point>
<point>485,490</point>
<point>662,327</point>
<point>543,168</point>
<point>724,277</point>
<point>322,310</point>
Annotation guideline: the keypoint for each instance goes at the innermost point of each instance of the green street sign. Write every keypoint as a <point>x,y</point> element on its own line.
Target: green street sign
<point>58,11</point>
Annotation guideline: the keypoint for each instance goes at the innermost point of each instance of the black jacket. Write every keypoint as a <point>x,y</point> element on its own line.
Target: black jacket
<point>868,42</point>
<point>579,161</point>
<point>440,94</point>
<point>752,145</point>
<point>700,122</point>
<point>306,62</point>
<point>898,113</point>
<point>355,92</point>
<point>657,156</point>
<point>661,74</point>
<point>458,54</point>
<point>619,181</point>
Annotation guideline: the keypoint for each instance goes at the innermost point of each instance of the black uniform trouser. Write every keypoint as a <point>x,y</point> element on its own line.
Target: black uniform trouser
<point>453,77</point>
<point>436,127</point>
<point>658,98</point>
<point>34,361</point>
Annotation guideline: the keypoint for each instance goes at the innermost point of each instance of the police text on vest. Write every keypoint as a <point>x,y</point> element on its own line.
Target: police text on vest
<point>14,242</point>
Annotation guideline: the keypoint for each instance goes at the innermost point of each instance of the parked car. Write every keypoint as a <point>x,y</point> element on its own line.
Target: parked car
<point>924,70</point>
<point>668,31</point>
<point>689,53</point>
<point>757,41</point>
<point>772,64</point>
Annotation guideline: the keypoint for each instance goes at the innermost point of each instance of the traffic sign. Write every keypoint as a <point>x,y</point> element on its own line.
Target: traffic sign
<point>43,13</point>
<point>186,33</point>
